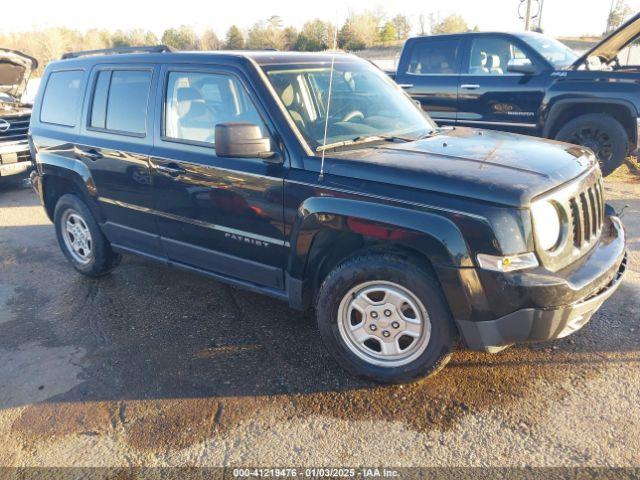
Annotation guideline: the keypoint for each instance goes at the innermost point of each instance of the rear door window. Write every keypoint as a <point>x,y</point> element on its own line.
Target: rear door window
<point>120,101</point>
<point>435,56</point>
<point>61,98</point>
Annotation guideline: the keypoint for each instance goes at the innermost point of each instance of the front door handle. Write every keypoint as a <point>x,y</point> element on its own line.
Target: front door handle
<point>171,169</point>
<point>405,85</point>
<point>91,154</point>
<point>470,86</point>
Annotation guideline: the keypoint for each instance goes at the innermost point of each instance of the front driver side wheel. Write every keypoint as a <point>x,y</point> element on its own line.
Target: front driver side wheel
<point>383,317</point>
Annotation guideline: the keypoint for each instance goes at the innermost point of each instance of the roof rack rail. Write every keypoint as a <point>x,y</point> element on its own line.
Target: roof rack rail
<point>119,50</point>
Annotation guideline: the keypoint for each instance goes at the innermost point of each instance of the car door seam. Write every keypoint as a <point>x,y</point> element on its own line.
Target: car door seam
<point>200,223</point>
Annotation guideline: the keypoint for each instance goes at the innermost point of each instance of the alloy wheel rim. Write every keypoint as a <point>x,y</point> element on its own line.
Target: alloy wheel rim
<point>384,323</point>
<point>77,237</point>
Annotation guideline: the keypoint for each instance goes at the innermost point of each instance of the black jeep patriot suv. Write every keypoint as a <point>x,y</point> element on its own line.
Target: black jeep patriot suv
<point>267,171</point>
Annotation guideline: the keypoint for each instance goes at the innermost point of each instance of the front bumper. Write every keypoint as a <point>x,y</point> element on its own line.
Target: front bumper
<point>542,323</point>
<point>15,158</point>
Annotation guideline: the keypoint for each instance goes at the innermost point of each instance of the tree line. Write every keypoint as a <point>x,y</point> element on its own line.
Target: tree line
<point>359,31</point>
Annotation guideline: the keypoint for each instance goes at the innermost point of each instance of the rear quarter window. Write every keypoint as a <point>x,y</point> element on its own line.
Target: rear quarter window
<point>435,56</point>
<point>61,98</point>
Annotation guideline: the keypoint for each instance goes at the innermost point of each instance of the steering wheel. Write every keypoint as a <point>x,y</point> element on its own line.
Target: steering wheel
<point>353,114</point>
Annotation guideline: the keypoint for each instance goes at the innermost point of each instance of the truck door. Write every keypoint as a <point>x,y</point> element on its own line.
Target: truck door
<point>428,71</point>
<point>489,95</point>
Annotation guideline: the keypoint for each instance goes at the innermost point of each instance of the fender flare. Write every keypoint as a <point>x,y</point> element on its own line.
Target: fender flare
<point>555,109</point>
<point>73,171</point>
<point>431,234</point>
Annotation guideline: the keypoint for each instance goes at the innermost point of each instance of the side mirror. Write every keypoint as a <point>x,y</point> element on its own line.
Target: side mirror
<point>523,66</point>
<point>243,140</point>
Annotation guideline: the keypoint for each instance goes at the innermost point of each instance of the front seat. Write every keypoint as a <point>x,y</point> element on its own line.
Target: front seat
<point>493,63</point>
<point>478,63</point>
<point>195,120</point>
<point>289,99</point>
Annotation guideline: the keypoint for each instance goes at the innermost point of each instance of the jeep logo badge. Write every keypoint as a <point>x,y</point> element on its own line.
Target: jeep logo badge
<point>4,125</point>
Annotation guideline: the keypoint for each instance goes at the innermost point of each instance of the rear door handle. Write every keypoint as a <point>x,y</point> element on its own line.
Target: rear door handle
<point>91,154</point>
<point>171,169</point>
<point>470,86</point>
<point>405,85</point>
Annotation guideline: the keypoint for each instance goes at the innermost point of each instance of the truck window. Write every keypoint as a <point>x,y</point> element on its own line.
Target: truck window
<point>196,102</point>
<point>120,101</point>
<point>492,56</point>
<point>434,56</point>
<point>555,52</point>
<point>630,55</point>
<point>61,97</point>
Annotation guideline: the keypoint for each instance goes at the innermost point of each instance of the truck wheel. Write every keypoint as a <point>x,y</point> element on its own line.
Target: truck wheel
<point>601,133</point>
<point>384,318</point>
<point>81,239</point>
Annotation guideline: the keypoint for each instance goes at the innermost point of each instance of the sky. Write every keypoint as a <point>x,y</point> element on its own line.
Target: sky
<point>559,17</point>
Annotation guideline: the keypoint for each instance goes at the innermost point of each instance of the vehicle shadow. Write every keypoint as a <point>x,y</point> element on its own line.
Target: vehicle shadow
<point>10,184</point>
<point>155,349</point>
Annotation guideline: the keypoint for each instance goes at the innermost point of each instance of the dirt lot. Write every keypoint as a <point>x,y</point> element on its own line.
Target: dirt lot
<point>154,366</point>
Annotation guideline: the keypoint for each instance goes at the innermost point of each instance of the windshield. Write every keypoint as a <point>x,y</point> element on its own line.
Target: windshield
<point>365,103</point>
<point>556,53</point>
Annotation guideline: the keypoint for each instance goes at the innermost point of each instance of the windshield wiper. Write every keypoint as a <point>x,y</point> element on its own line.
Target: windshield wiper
<point>354,141</point>
<point>394,138</point>
<point>375,138</point>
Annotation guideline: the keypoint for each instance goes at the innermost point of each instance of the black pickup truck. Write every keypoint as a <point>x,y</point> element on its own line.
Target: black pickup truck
<point>15,70</point>
<point>532,84</point>
<point>318,181</point>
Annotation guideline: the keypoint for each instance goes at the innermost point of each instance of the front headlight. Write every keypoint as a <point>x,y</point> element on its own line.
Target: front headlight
<point>547,224</point>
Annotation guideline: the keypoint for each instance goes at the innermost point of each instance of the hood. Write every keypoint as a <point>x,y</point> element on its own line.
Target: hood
<point>490,166</point>
<point>609,48</point>
<point>15,70</point>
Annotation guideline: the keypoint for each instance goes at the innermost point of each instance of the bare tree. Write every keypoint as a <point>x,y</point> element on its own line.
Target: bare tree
<point>183,38</point>
<point>451,24</point>
<point>360,30</point>
<point>422,23</point>
<point>267,34</point>
<point>620,10</point>
<point>315,35</point>
<point>210,41</point>
<point>403,26</point>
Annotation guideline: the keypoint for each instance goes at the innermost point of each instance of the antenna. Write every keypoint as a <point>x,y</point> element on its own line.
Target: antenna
<point>326,120</point>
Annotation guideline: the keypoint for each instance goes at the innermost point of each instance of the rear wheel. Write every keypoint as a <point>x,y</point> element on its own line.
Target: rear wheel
<point>601,133</point>
<point>385,318</point>
<point>81,239</point>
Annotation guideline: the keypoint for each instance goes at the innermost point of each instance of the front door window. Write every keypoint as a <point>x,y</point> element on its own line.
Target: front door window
<point>493,56</point>
<point>197,102</point>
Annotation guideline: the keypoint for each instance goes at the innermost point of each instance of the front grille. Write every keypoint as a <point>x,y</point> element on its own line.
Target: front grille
<point>18,128</point>
<point>582,206</point>
<point>587,214</point>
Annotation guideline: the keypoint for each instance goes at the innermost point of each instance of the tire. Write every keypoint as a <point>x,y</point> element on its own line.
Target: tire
<point>395,276</point>
<point>601,133</point>
<point>95,256</point>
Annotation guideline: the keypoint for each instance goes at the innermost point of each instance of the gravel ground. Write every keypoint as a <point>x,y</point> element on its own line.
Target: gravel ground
<point>152,366</point>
